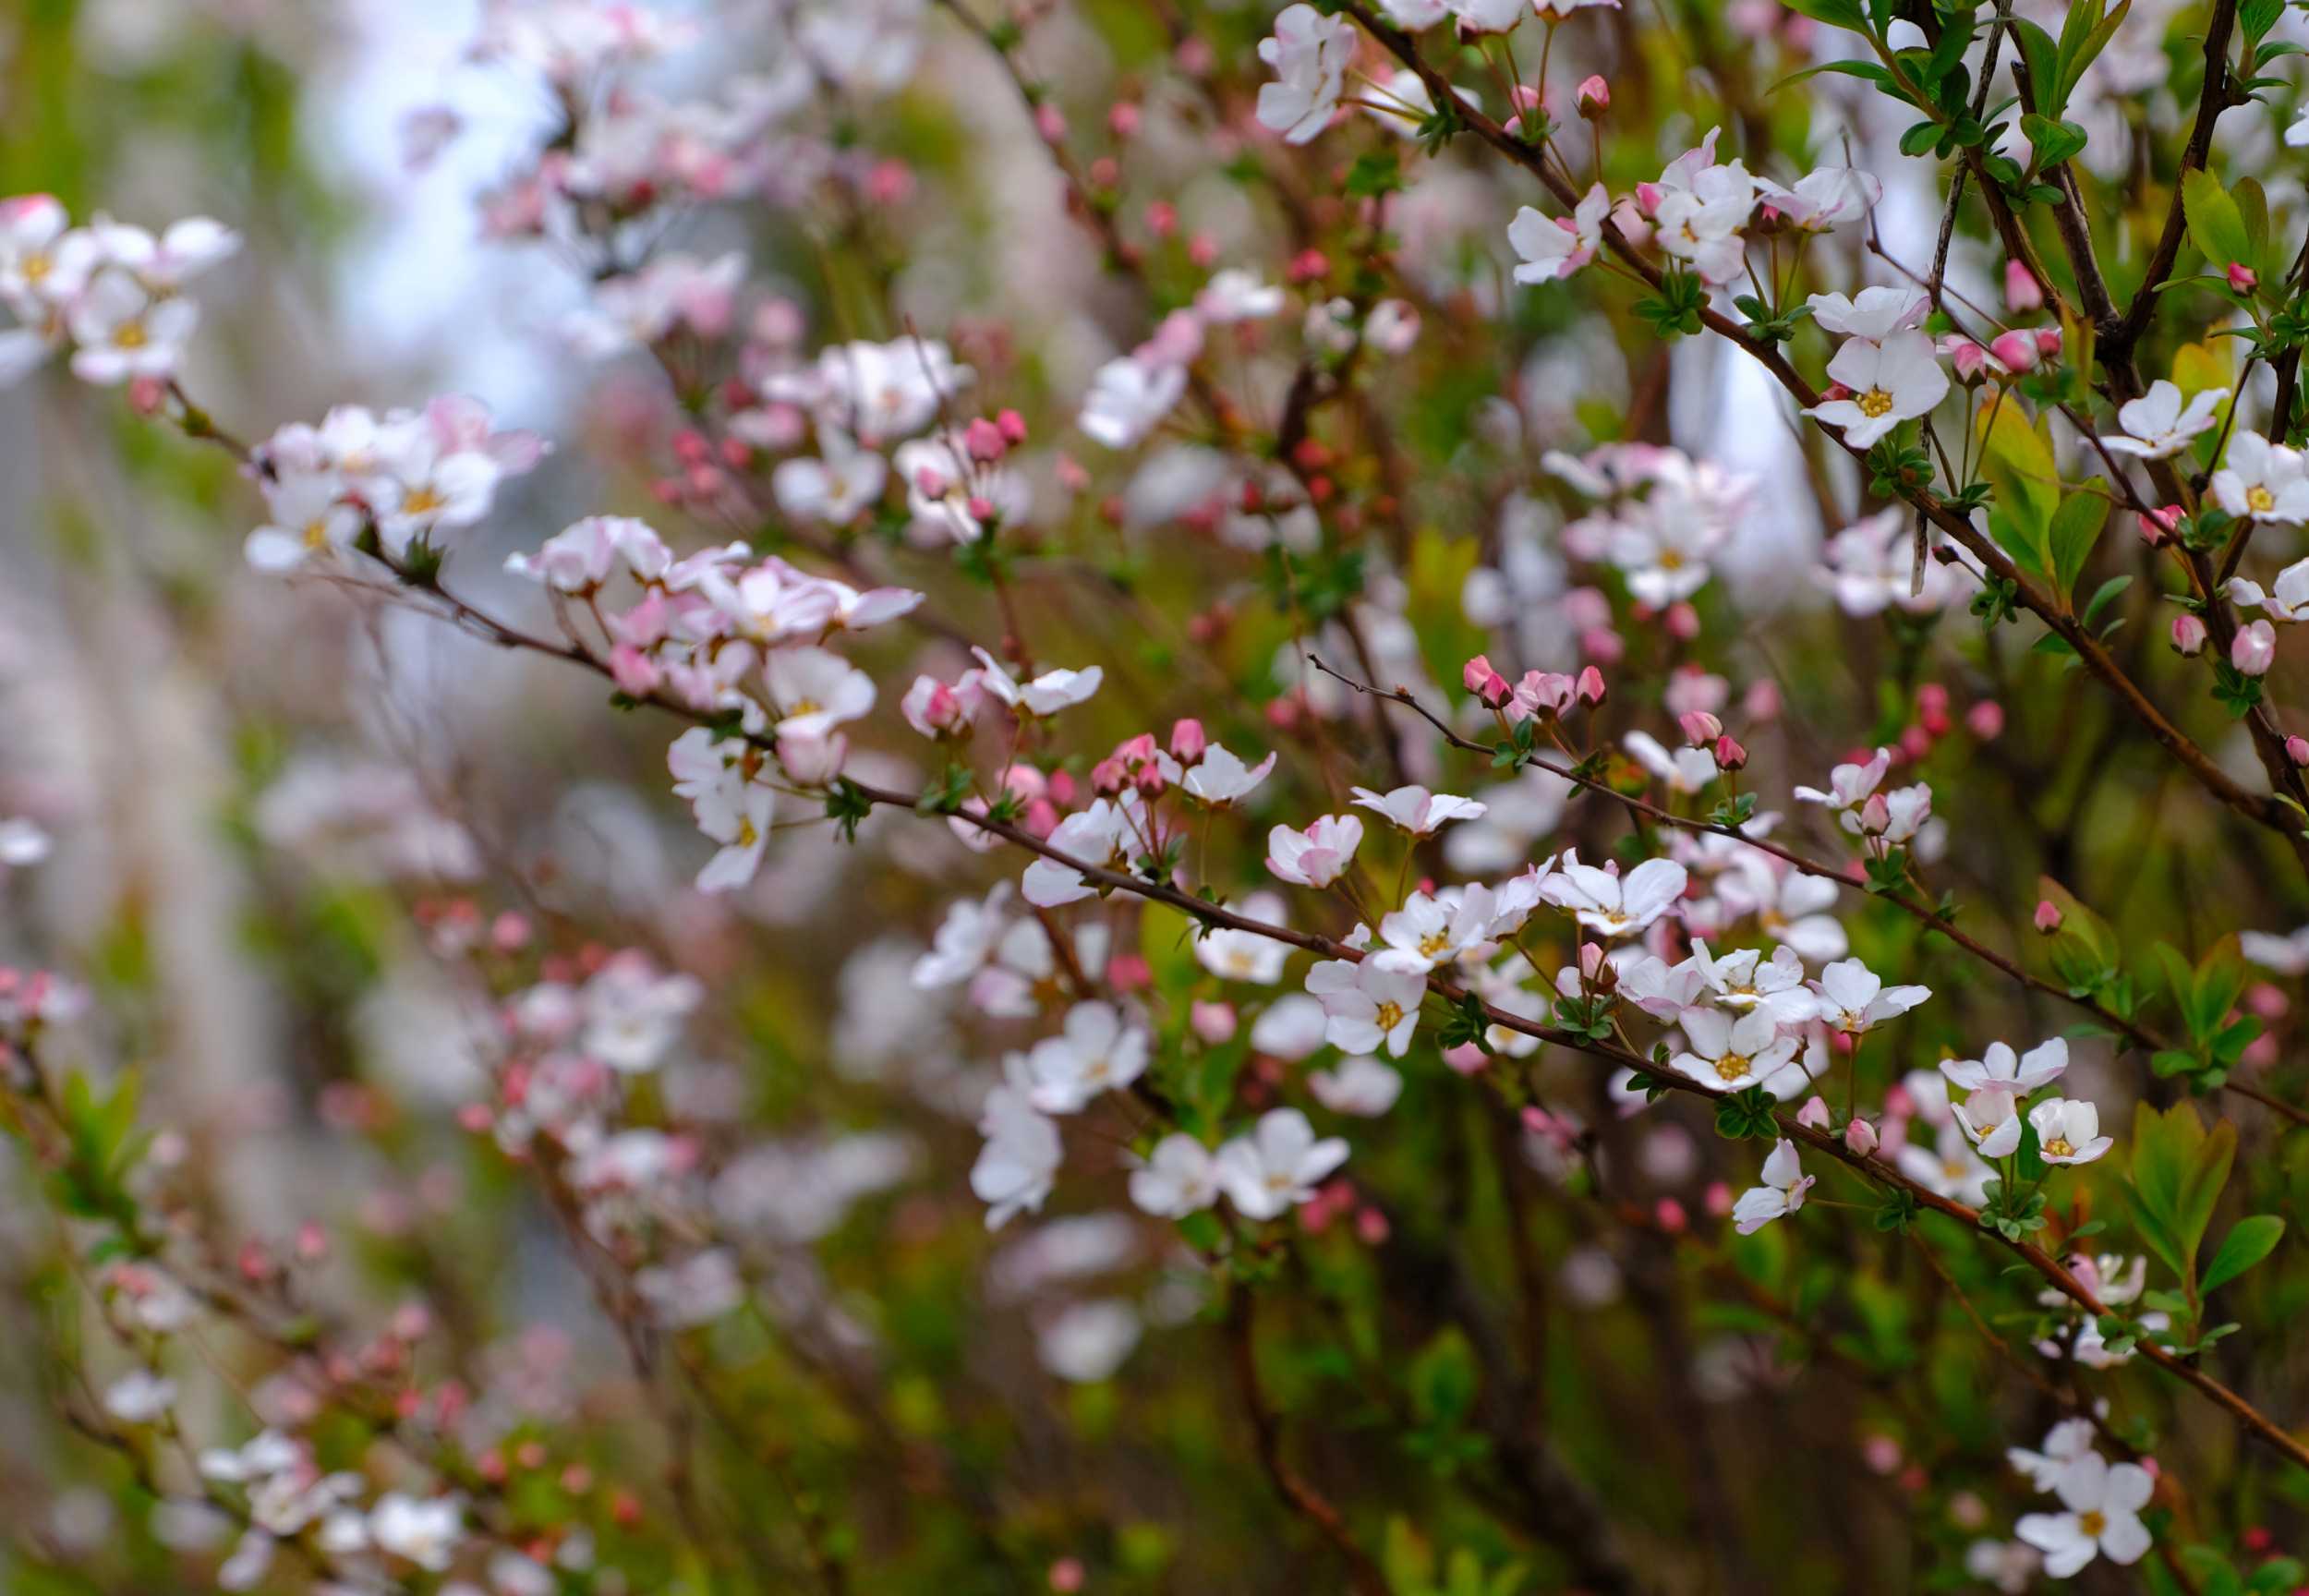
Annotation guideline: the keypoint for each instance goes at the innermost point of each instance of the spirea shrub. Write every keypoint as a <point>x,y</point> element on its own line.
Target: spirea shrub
<point>1427,797</point>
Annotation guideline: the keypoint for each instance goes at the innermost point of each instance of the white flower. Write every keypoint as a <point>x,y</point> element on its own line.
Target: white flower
<point>1611,904</point>
<point>1309,53</point>
<point>814,690</point>
<point>1823,199</point>
<point>1278,1166</point>
<point>633,1013</point>
<point>1221,777</point>
<point>44,262</point>
<point>185,249</point>
<point>424,478</point>
<point>1087,1342</point>
<point>2009,1565</point>
<point>1554,247</point>
<point>1016,1167</point>
<point>1701,223</point>
<point>1103,836</point>
<point>1849,789</point>
<point>142,1398</point>
<point>1949,1167</point>
<point>1180,1177</point>
<point>1235,955</point>
<point>1785,1184</point>
<point>311,515</point>
<point>1870,567</point>
<point>2158,426</point>
<point>2288,599</point>
<point>2068,1131</point>
<point>1128,398</point>
<point>424,1532</point>
<point>1991,1118</point>
<point>1316,856</point>
<point>2063,1445</point>
<point>1731,1055</point>
<point>1428,931</point>
<point>730,807</point>
<point>1360,1086</point>
<point>1416,810</point>
<point>2104,1507</point>
<point>1367,1007</point>
<point>2262,480</point>
<point>1660,989</point>
<point>836,487</point>
<point>1684,770</point>
<point>1746,980</point>
<point>1290,1028</point>
<point>1235,294</point>
<point>122,332</point>
<point>1489,16</point>
<point>1094,1053</point>
<point>1998,1066</point>
<point>1874,314</point>
<point>1046,695</point>
<point>582,556</point>
<point>1855,999</point>
<point>22,842</point>
<point>1889,383</point>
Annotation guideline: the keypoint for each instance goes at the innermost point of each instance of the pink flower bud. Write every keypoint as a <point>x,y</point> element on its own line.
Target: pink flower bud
<point>1730,756</point>
<point>2242,278</point>
<point>2021,291</point>
<point>1591,687</point>
<point>1860,1136</point>
<point>1123,120</point>
<point>2188,635</point>
<point>1590,959</point>
<point>1814,1114</point>
<point>1668,1213</point>
<point>1187,740</point>
<point>1049,122</point>
<point>2157,525</point>
<point>1970,360</point>
<point>1013,426</point>
<point>1683,622</point>
<point>1593,96</point>
<point>1986,719</point>
<point>2047,917</point>
<point>2254,649</point>
<point>1701,727</point>
<point>2297,750</point>
<point>1214,1022</point>
<point>2016,350</point>
<point>984,440</point>
<point>1486,684</point>
<point>2048,343</point>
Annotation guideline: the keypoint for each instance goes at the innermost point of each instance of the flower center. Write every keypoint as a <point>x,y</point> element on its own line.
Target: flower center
<point>2092,1524</point>
<point>424,501</point>
<point>36,267</point>
<point>1670,560</point>
<point>1731,1067</point>
<point>2259,500</point>
<point>130,336</point>
<point>2059,1148</point>
<point>747,835</point>
<point>1390,1015</point>
<point>316,533</point>
<point>1876,402</point>
<point>807,706</point>
<point>1434,942</point>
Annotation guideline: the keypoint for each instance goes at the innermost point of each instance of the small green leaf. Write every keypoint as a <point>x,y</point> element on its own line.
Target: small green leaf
<point>2248,1241</point>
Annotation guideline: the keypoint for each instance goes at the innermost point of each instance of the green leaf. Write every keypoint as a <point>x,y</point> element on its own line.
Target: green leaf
<point>2043,59</point>
<point>1443,1379</point>
<point>2248,1241</point>
<point>2217,225</point>
<point>2075,528</point>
